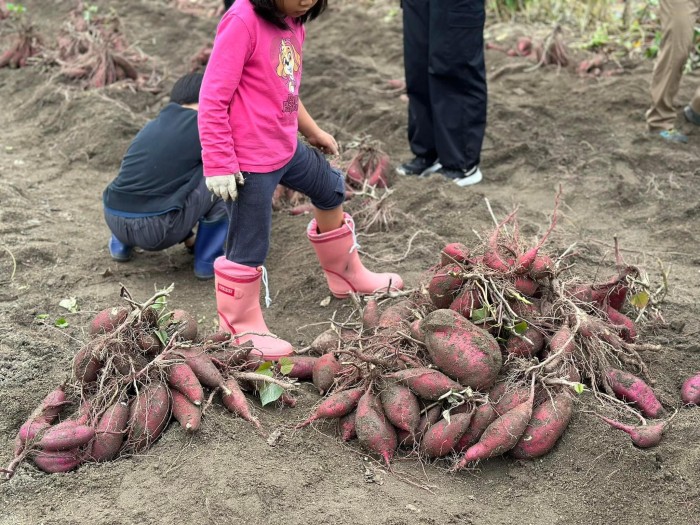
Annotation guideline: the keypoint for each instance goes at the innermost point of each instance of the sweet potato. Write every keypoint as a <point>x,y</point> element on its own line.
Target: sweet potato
<point>690,392</point>
<point>379,177</point>
<point>466,302</point>
<point>513,396</point>
<point>236,402</point>
<point>149,344</point>
<point>107,320</point>
<point>526,345</point>
<point>427,419</point>
<point>548,423</point>
<point>542,267</point>
<point>181,378</point>
<point>347,427</point>
<point>302,366</point>
<point>324,372</point>
<point>28,432</point>
<point>462,350</point>
<point>623,324</point>
<point>66,435</point>
<point>373,430</point>
<point>51,406</point>
<point>370,315</point>
<point>86,366</point>
<point>53,461</point>
<point>336,406</point>
<point>201,364</point>
<point>326,341</point>
<point>482,418</point>
<point>442,438</point>
<point>220,336</point>
<point>400,406</point>
<point>501,435</point>
<point>110,433</point>
<point>561,343</point>
<point>416,331</point>
<point>187,324</point>
<point>148,415</point>
<point>455,252</point>
<point>643,436</point>
<point>444,285</point>
<point>631,388</point>
<point>428,383</point>
<point>396,315</point>
<point>186,412</point>
<point>525,285</point>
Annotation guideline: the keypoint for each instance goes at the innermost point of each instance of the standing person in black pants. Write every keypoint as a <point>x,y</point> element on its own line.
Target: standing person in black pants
<point>446,85</point>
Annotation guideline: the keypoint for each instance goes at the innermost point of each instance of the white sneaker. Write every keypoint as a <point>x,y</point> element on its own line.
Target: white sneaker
<point>463,177</point>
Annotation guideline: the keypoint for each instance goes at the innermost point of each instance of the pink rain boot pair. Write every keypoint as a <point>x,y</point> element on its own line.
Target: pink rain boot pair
<point>238,286</point>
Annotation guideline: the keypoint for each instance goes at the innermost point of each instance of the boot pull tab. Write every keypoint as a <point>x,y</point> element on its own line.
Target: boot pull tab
<point>268,300</point>
<point>351,225</point>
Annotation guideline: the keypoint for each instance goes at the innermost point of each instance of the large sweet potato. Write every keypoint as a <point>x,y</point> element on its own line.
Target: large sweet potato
<point>461,350</point>
<point>110,433</point>
<point>149,414</point>
<point>549,421</point>
<point>373,430</point>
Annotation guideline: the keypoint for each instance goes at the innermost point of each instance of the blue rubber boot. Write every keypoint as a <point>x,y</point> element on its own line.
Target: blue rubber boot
<point>209,245</point>
<point>118,250</point>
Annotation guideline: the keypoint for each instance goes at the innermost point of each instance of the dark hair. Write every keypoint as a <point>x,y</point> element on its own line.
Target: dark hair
<point>227,4</point>
<point>186,89</point>
<point>267,9</point>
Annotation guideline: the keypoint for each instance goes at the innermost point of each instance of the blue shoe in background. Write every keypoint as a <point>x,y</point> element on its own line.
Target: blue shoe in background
<point>118,250</point>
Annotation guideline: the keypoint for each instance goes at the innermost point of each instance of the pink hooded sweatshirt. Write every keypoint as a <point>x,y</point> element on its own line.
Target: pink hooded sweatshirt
<point>249,101</point>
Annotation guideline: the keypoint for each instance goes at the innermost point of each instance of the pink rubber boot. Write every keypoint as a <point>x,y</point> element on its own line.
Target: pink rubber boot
<point>238,305</point>
<point>337,252</point>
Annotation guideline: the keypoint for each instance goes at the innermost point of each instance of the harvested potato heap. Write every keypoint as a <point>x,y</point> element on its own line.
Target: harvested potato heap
<point>25,42</point>
<point>142,366</point>
<point>490,356</point>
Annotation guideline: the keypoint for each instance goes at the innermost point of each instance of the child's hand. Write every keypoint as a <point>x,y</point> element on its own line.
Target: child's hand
<point>225,186</point>
<point>324,141</point>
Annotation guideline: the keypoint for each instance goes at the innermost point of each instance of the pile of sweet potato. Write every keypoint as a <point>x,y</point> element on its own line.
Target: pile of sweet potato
<point>142,366</point>
<point>25,40</point>
<point>490,356</point>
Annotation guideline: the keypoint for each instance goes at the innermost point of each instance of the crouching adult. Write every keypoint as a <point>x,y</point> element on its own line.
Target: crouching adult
<point>160,194</point>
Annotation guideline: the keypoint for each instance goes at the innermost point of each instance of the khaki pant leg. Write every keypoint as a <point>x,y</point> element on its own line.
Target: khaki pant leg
<point>677,26</point>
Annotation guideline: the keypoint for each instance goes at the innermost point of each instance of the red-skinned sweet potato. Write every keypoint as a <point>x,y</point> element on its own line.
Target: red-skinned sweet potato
<point>324,372</point>
<point>462,350</point>
<point>107,320</point>
<point>643,436</point>
<point>86,366</point>
<point>180,377</point>
<point>396,315</point>
<point>442,438</point>
<point>347,427</point>
<point>690,391</point>
<point>335,406</point>
<point>445,285</point>
<point>53,461</point>
<point>428,418</point>
<point>513,395</point>
<point>526,345</point>
<point>400,406</point>
<point>236,402</point>
<point>633,389</point>
<point>110,432</point>
<point>66,435</point>
<point>373,430</point>
<point>186,412</point>
<point>149,414</point>
<point>482,418</point>
<point>302,366</point>
<point>187,324</point>
<point>466,302</point>
<point>623,324</point>
<point>202,366</point>
<point>428,383</point>
<point>455,252</point>
<point>370,315</point>
<point>548,423</point>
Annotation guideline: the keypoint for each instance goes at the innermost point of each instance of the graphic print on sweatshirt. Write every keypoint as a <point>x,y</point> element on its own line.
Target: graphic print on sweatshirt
<point>288,69</point>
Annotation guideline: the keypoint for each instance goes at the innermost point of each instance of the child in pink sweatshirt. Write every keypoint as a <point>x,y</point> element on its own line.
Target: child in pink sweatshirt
<point>249,117</point>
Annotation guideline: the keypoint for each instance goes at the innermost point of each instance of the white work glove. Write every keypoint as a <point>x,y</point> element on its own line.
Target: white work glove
<point>225,186</point>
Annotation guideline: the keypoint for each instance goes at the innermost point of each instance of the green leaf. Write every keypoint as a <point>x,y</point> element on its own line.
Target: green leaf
<point>520,328</point>
<point>265,369</point>
<point>42,316</point>
<point>162,336</point>
<point>286,366</point>
<point>520,298</point>
<point>640,300</point>
<point>269,393</point>
<point>69,304</point>
<point>61,322</point>
<point>579,388</point>
<point>159,303</point>
<point>479,314</point>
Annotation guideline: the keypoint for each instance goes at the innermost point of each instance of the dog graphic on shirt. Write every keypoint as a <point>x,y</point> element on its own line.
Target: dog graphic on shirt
<point>289,62</point>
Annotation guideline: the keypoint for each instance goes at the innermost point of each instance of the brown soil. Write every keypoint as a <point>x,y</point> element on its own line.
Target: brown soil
<point>60,146</point>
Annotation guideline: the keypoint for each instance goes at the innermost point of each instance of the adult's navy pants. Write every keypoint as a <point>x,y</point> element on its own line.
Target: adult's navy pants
<point>445,79</point>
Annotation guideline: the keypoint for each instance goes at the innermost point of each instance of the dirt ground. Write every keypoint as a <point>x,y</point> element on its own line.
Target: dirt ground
<point>60,146</point>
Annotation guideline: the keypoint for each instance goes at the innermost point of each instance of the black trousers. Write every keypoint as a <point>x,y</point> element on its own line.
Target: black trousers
<point>445,79</point>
